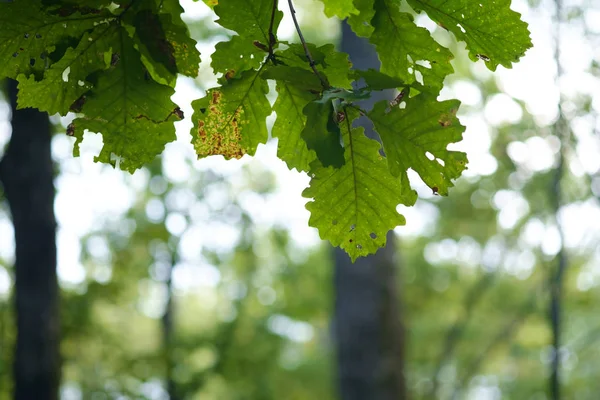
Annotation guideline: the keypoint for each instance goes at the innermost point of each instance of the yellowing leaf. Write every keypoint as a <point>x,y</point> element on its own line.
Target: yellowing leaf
<point>231,120</point>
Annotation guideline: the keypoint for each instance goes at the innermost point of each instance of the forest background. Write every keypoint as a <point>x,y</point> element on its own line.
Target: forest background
<point>202,279</point>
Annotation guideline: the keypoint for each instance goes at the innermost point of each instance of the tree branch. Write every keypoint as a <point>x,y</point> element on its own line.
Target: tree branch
<point>311,61</point>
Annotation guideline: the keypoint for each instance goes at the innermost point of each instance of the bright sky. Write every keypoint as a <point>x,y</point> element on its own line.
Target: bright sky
<point>90,193</point>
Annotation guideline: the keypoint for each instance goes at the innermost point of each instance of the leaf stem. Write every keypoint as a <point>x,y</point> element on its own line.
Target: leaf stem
<point>311,61</point>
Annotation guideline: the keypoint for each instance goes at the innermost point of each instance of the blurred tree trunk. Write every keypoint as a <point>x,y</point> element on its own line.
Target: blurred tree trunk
<point>169,334</point>
<point>26,172</point>
<point>367,323</point>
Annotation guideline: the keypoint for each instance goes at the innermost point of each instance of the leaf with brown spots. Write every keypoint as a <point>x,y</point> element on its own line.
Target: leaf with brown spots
<point>417,137</point>
<point>231,120</point>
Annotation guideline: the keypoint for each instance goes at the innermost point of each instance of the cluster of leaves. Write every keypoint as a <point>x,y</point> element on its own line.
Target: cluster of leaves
<point>115,64</point>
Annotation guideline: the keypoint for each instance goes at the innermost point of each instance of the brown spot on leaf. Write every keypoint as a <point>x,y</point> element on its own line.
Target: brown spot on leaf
<point>71,130</point>
<point>446,119</point>
<point>260,45</point>
<point>399,97</point>
<point>177,111</point>
<point>78,104</point>
<point>114,59</point>
<point>229,75</point>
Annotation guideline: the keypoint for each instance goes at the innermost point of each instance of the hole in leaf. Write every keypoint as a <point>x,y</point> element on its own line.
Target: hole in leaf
<point>26,36</point>
<point>373,235</point>
<point>38,36</point>
<point>352,227</point>
<point>32,61</point>
<point>424,63</point>
<point>419,77</point>
<point>15,54</point>
<point>358,246</point>
<point>65,74</point>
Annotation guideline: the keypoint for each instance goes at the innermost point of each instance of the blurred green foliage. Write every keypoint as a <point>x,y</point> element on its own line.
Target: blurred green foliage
<point>251,319</point>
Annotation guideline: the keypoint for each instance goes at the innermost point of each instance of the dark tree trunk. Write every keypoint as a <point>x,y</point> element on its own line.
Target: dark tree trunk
<point>26,173</point>
<point>367,323</point>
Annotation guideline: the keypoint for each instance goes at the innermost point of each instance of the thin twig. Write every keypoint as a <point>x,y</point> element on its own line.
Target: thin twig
<point>311,61</point>
<point>272,36</point>
<point>560,130</point>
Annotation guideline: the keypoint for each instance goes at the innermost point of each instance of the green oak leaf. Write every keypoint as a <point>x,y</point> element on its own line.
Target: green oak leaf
<point>231,120</point>
<point>332,64</point>
<point>296,87</point>
<point>187,57</point>
<point>28,35</point>
<point>54,93</point>
<point>361,22</point>
<point>250,19</point>
<point>354,206</point>
<point>492,31</point>
<point>158,54</point>
<point>406,50</point>
<point>340,8</point>
<point>417,137</point>
<point>291,147</point>
<point>236,56</point>
<point>322,133</point>
<point>297,76</point>
<point>163,40</point>
<point>135,115</point>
